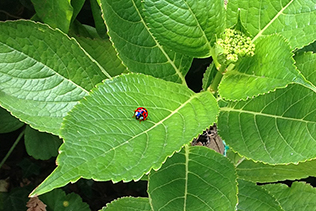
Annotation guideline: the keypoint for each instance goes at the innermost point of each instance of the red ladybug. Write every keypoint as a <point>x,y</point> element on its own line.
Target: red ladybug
<point>141,114</point>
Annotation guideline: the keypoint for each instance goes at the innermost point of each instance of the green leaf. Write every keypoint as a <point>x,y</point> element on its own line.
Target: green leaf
<point>104,53</point>
<point>306,63</point>
<point>41,145</point>
<point>128,204</point>
<point>78,29</point>
<point>8,122</point>
<point>254,197</point>
<point>197,178</point>
<point>299,196</point>
<point>276,128</point>
<point>260,172</point>
<point>43,73</point>
<point>310,47</point>
<point>102,141</point>
<point>295,20</point>
<point>137,47</point>
<point>209,76</point>
<point>77,6</point>
<point>270,68</point>
<point>56,13</point>
<point>16,199</point>
<point>189,26</point>
<point>58,200</point>
<point>98,20</point>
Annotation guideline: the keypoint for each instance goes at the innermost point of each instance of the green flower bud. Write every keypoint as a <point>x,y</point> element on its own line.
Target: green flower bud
<point>233,44</point>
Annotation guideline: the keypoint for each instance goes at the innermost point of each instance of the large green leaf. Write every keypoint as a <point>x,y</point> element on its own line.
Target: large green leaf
<point>137,47</point>
<point>278,127</point>
<point>260,172</point>
<point>299,196</point>
<point>270,68</point>
<point>56,13</point>
<point>293,19</point>
<point>187,26</point>
<point>102,141</point>
<point>254,197</point>
<point>43,73</point>
<point>196,178</point>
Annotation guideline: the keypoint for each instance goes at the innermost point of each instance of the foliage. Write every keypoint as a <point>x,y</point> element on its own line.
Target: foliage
<point>73,81</point>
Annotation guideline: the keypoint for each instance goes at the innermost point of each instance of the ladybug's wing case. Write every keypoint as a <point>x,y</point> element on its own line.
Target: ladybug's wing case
<point>141,113</point>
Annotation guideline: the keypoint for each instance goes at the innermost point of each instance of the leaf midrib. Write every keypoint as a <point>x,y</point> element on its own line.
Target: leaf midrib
<point>178,72</point>
<point>127,141</point>
<point>227,109</point>
<point>44,65</point>
<point>272,20</point>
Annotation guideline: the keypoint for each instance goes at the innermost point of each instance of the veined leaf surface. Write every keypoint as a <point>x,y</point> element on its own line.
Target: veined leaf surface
<point>270,68</point>
<point>293,19</point>
<point>137,47</point>
<point>56,13</point>
<point>102,141</point>
<point>196,178</point>
<point>275,128</point>
<point>43,73</point>
<point>187,26</point>
<point>300,196</point>
<point>128,204</point>
<point>261,172</point>
<point>254,197</point>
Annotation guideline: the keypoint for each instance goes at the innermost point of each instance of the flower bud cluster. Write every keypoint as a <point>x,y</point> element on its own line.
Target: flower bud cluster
<point>235,44</point>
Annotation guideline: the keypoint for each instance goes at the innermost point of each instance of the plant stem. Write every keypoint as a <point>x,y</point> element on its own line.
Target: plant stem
<point>12,148</point>
<point>217,79</point>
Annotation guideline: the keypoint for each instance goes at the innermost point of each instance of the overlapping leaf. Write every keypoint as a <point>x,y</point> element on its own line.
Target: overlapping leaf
<point>300,196</point>
<point>58,200</point>
<point>293,19</point>
<point>104,53</point>
<point>104,142</point>
<point>253,197</point>
<point>196,178</point>
<point>306,63</point>
<point>41,145</point>
<point>271,67</point>
<point>209,76</point>
<point>136,46</point>
<point>8,123</point>
<point>188,26</point>
<point>43,73</point>
<point>128,204</point>
<point>97,16</point>
<point>279,127</point>
<point>260,172</point>
<point>275,128</point>
<point>57,14</point>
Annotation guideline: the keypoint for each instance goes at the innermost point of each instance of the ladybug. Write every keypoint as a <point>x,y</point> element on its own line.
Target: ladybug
<point>141,114</point>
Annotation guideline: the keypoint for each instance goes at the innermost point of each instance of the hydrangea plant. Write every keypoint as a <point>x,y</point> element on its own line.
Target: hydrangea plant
<point>83,85</point>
